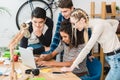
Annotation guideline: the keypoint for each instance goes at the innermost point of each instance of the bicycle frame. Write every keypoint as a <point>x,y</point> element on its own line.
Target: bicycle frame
<point>32,7</point>
<point>27,7</point>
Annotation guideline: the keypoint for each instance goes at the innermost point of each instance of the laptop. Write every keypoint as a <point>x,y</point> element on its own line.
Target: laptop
<point>27,57</point>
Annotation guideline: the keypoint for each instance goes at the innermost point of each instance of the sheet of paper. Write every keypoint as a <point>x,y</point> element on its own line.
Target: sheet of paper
<point>5,70</point>
<point>45,70</point>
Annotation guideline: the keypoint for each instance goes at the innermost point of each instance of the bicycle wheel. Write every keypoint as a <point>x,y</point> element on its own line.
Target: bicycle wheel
<point>24,12</point>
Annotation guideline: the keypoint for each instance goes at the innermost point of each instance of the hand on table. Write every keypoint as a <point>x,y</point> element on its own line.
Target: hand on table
<point>40,58</point>
<point>44,63</point>
<point>37,59</point>
<point>66,69</point>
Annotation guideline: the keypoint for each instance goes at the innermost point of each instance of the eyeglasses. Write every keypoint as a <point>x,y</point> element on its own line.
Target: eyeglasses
<point>73,24</point>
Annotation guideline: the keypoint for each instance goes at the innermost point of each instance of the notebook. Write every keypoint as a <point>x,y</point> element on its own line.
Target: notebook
<point>27,57</point>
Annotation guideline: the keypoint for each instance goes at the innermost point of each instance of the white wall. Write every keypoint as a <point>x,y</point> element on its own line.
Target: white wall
<point>85,4</point>
<point>7,23</point>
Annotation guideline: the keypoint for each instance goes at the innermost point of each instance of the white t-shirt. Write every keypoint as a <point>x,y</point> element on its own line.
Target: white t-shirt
<point>33,38</point>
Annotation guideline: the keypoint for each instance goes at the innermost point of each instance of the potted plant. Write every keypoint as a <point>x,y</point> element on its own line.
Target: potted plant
<point>2,11</point>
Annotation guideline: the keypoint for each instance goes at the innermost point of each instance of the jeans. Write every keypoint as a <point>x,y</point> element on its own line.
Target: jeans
<point>85,77</point>
<point>114,62</point>
<point>35,46</point>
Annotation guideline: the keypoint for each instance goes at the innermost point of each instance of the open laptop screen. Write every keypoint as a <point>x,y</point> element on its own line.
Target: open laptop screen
<point>27,57</point>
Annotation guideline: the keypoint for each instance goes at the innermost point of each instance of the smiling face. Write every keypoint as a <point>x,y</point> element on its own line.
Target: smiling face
<point>38,22</point>
<point>65,37</point>
<point>79,19</point>
<point>78,24</point>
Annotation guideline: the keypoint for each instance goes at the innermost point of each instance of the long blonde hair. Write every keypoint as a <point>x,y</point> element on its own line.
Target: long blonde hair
<point>78,14</point>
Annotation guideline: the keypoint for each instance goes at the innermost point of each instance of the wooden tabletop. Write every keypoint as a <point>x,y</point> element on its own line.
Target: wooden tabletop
<point>45,73</point>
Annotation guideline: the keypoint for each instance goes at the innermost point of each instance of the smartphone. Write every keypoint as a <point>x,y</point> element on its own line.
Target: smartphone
<point>57,72</point>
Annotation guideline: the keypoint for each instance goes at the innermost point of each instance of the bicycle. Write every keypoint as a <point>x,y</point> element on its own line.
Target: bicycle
<point>24,12</point>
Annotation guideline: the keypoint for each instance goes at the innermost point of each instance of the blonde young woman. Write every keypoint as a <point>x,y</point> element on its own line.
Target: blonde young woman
<point>103,32</point>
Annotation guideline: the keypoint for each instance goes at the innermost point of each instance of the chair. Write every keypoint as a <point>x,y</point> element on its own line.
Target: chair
<point>94,69</point>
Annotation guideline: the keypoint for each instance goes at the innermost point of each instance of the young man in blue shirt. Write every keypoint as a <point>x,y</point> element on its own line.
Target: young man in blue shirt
<point>66,7</point>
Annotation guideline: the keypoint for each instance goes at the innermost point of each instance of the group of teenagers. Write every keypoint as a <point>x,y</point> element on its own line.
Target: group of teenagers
<point>74,37</point>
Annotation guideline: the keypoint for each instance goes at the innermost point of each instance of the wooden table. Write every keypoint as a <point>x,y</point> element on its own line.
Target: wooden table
<point>46,75</point>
